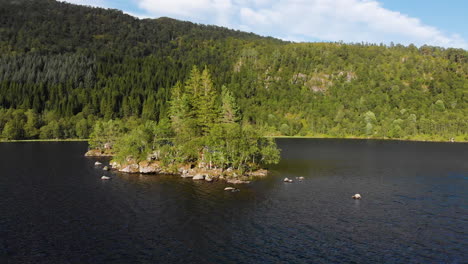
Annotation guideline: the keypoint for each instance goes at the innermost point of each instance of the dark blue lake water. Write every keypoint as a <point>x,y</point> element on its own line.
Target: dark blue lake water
<point>55,209</point>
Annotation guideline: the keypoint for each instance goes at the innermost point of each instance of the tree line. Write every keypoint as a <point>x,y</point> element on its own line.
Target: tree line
<point>65,67</point>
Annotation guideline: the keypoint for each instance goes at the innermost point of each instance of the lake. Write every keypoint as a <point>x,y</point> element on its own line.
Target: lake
<point>55,209</point>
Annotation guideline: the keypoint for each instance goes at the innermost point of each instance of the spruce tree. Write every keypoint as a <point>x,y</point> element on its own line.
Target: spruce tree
<point>230,110</point>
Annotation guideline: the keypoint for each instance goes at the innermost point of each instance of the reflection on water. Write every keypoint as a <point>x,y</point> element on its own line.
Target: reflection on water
<point>55,208</point>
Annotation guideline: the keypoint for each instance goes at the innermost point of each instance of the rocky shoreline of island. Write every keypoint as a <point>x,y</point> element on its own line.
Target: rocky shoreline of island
<point>196,172</point>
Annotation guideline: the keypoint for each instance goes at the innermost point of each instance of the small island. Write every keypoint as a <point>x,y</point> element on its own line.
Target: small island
<point>202,138</point>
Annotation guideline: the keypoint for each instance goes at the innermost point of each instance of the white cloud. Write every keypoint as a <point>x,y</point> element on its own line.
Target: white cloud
<point>219,12</point>
<point>326,20</point>
<point>95,3</point>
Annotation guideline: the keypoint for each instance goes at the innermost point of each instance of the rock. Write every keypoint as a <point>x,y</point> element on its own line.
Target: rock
<point>186,176</point>
<point>105,168</point>
<point>131,168</point>
<point>148,167</point>
<point>229,188</point>
<point>300,178</point>
<point>258,173</point>
<point>114,165</point>
<point>208,178</point>
<point>287,180</point>
<point>237,181</point>
<point>357,196</point>
<point>97,163</point>
<point>97,153</point>
<point>105,178</point>
<point>198,177</point>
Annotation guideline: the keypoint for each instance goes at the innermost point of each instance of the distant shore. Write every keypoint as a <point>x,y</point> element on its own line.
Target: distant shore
<point>457,140</point>
<point>43,140</point>
<point>422,139</point>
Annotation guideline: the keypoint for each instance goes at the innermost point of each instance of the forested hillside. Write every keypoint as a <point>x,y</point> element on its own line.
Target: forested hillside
<point>63,67</point>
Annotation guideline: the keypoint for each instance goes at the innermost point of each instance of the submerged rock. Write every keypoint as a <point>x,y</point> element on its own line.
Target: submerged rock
<point>357,196</point>
<point>231,189</point>
<point>237,181</point>
<point>105,178</point>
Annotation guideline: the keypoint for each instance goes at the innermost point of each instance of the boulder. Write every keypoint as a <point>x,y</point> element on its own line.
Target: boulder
<point>131,168</point>
<point>115,165</point>
<point>105,168</point>
<point>208,178</point>
<point>258,173</point>
<point>97,163</point>
<point>198,177</point>
<point>105,178</point>
<point>357,196</point>
<point>97,153</point>
<point>300,178</point>
<point>148,167</point>
<point>287,180</point>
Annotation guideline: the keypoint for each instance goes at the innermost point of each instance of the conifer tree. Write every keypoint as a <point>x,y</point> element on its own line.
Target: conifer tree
<point>230,110</point>
<point>206,107</point>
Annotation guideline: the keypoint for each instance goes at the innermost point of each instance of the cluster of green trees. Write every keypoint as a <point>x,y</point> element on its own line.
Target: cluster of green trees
<point>29,124</point>
<point>72,65</point>
<point>203,128</point>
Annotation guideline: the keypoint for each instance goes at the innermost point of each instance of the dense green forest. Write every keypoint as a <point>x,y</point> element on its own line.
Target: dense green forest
<point>65,68</point>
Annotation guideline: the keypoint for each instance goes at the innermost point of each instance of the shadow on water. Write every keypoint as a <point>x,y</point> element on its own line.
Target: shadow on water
<point>55,208</point>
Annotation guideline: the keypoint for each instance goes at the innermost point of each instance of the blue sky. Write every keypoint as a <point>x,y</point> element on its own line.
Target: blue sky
<point>436,22</point>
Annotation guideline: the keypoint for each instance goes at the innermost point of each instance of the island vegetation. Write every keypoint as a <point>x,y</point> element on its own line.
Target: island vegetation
<point>203,135</point>
<point>69,71</point>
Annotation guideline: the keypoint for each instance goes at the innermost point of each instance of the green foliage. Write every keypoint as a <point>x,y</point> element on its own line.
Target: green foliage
<point>241,147</point>
<point>230,109</point>
<point>134,145</point>
<point>106,133</point>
